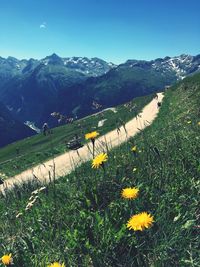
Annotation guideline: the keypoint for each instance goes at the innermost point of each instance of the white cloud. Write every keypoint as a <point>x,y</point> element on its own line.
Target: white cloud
<point>43,25</point>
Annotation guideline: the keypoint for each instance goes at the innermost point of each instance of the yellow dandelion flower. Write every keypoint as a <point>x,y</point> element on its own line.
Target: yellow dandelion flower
<point>56,264</point>
<point>198,123</point>
<point>140,221</point>
<point>134,149</point>
<point>99,160</point>
<point>130,193</point>
<point>7,259</point>
<point>91,135</point>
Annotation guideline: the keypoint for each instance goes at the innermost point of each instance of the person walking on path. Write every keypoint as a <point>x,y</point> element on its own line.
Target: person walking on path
<point>45,129</point>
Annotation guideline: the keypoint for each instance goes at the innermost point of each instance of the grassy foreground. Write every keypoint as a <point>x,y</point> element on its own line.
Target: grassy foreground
<point>80,220</point>
<point>24,154</point>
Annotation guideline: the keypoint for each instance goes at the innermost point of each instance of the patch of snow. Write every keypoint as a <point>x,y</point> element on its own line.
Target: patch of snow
<point>173,64</point>
<point>73,61</point>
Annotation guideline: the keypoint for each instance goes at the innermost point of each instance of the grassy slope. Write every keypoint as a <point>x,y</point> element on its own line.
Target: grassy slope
<point>39,148</point>
<point>81,219</point>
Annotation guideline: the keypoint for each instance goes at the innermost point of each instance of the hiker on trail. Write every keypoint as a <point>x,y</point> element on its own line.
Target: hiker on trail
<point>45,129</point>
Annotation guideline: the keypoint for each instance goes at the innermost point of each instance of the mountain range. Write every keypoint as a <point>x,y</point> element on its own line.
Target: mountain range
<point>33,89</point>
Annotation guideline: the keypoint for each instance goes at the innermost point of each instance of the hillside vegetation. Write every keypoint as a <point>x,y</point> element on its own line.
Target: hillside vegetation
<point>81,219</point>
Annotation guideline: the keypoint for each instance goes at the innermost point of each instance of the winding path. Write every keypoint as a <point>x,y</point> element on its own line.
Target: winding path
<point>68,161</point>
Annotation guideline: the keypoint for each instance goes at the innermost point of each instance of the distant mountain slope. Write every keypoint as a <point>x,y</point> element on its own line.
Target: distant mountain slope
<point>123,83</point>
<point>33,89</point>
<point>133,78</point>
<point>10,129</point>
<point>33,96</point>
<point>177,67</point>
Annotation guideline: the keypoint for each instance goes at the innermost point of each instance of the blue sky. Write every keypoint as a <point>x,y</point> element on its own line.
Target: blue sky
<point>114,30</point>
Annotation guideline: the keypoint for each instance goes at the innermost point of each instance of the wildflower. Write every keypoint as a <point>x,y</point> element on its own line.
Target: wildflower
<point>134,149</point>
<point>189,122</point>
<point>140,221</point>
<point>56,264</point>
<point>198,123</point>
<point>99,160</point>
<point>130,193</point>
<point>91,135</point>
<point>7,259</point>
<point>134,169</point>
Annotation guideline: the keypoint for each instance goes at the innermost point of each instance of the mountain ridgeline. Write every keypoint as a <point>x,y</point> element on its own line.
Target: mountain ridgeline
<point>33,89</point>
